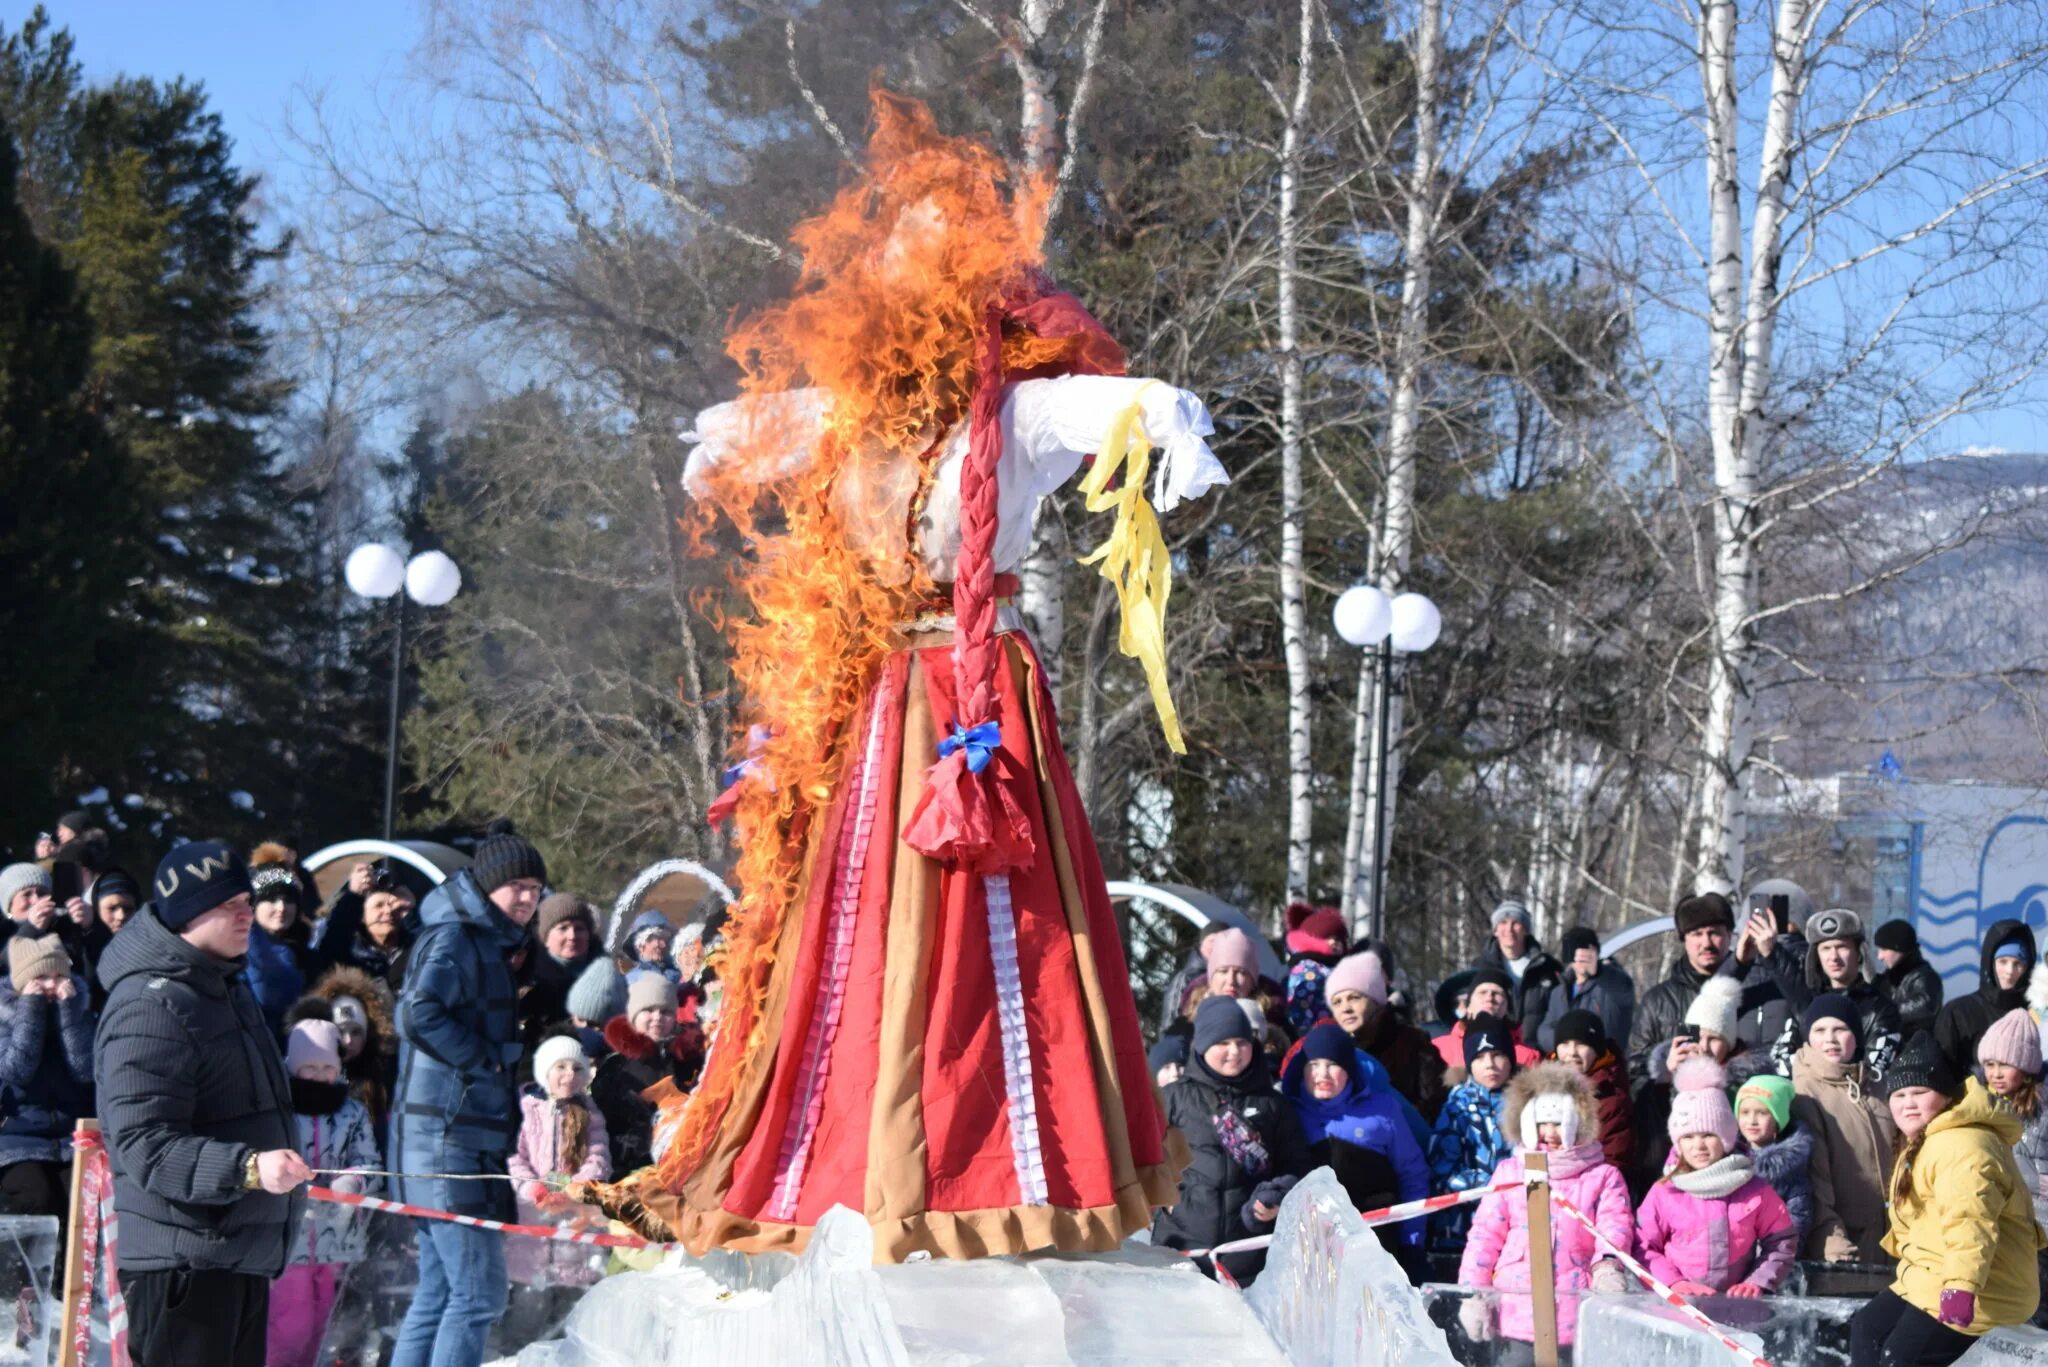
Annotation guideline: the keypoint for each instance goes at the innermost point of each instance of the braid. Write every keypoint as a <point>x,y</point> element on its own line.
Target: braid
<point>1902,1171</point>
<point>575,1121</point>
<point>974,579</point>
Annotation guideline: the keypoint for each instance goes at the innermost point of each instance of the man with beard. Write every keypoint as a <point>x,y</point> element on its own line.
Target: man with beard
<point>2008,956</point>
<point>1356,991</point>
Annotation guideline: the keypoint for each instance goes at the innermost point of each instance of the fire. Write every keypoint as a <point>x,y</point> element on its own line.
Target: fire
<point>897,273</point>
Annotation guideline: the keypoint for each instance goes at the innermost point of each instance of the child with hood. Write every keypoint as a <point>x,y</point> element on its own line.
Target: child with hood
<point>1779,1146</point>
<point>1852,1133</point>
<point>649,939</point>
<point>1961,1224</point>
<point>1246,1145</point>
<point>1550,1109</point>
<point>1468,1143</point>
<point>2007,958</point>
<point>334,1132</point>
<point>1711,1226</point>
<point>1316,939</point>
<point>561,1140</point>
<point>1355,1123</point>
<point>2009,1060</point>
<point>1583,1046</point>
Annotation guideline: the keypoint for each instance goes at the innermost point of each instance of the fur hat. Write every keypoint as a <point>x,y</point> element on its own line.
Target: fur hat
<point>312,1041</point>
<point>554,1049</point>
<point>1316,930</point>
<point>15,877</point>
<point>647,990</point>
<point>1358,973</point>
<point>1836,923</point>
<point>1230,947</point>
<point>1773,1093</point>
<point>1550,1094</point>
<point>36,956</point>
<point>2013,1038</point>
<point>1715,1008</point>
<point>1698,1105</point>
<point>1706,909</point>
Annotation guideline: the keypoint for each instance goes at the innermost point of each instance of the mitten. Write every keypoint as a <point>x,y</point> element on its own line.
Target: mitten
<point>1958,1308</point>
<point>1476,1315</point>
<point>1608,1276</point>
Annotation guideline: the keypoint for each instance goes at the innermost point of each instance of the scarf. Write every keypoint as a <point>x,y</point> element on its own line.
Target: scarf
<point>1717,1181</point>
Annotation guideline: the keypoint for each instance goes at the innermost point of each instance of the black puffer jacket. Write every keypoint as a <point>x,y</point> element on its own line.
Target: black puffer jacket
<point>1960,1024</point>
<point>190,1084</point>
<point>1242,1135</point>
<point>1774,991</point>
<point>1915,989</point>
<point>1532,993</point>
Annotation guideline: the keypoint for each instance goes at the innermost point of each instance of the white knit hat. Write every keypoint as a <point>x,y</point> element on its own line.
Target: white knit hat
<point>1714,1010</point>
<point>553,1050</point>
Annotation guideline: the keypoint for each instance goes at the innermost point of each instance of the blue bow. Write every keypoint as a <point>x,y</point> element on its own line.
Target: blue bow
<point>979,742</point>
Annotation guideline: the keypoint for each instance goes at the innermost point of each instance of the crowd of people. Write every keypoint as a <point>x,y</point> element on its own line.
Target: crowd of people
<point>475,1051</point>
<point>1791,1089</point>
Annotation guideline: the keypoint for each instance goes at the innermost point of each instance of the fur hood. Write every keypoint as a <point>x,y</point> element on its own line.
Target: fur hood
<point>1541,1079</point>
<point>1790,1153</point>
<point>353,982</point>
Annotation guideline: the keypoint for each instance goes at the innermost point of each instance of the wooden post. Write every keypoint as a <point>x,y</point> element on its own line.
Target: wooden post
<point>74,1252</point>
<point>1542,1272</point>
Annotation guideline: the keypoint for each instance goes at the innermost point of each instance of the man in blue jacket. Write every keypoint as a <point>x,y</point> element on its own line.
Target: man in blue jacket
<point>456,1108</point>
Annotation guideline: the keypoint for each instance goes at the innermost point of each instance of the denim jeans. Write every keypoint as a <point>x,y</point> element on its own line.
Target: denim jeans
<point>462,1293</point>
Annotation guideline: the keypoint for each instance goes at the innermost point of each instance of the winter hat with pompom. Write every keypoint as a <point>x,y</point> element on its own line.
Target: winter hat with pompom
<point>1714,1010</point>
<point>1230,948</point>
<point>1698,1103</point>
<point>1358,973</point>
<point>2013,1039</point>
<point>1315,930</point>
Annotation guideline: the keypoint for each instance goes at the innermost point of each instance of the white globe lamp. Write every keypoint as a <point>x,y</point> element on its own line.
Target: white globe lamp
<point>1362,616</point>
<point>432,579</point>
<point>374,570</point>
<point>1416,623</point>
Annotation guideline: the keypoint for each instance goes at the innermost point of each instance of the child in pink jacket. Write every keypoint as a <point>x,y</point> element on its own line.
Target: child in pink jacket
<point>561,1139</point>
<point>1550,1107</point>
<point>1711,1225</point>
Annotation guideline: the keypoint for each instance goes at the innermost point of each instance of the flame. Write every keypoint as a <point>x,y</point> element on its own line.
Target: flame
<point>896,275</point>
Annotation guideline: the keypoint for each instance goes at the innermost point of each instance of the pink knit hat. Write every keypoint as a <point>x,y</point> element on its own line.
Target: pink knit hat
<point>1698,1103</point>
<point>2013,1038</point>
<point>1359,973</point>
<point>1230,947</point>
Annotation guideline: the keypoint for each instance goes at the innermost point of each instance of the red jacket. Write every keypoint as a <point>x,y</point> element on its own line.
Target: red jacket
<point>1452,1048</point>
<point>1617,1116</point>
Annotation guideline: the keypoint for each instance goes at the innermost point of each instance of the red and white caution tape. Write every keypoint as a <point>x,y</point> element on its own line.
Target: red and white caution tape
<point>1385,1215</point>
<point>555,1232</point>
<point>1649,1279</point>
<point>98,1225</point>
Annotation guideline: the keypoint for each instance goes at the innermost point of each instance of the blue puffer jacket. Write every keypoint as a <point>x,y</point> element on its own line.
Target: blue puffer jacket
<point>1467,1146</point>
<point>1787,1163</point>
<point>1367,1114</point>
<point>271,969</point>
<point>45,1072</point>
<point>456,1108</point>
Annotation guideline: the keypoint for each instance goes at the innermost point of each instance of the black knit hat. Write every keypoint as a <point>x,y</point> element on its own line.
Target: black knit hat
<point>1486,1033</point>
<point>1920,1063</point>
<point>1494,976</point>
<point>1897,936</point>
<point>196,877</point>
<point>502,856</point>
<point>1582,1026</point>
<point>1578,938</point>
<point>1707,909</point>
<point>1218,1019</point>
<point>1833,1006</point>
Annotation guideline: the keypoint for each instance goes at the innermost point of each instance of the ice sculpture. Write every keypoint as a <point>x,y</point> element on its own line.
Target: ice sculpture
<point>1644,1332</point>
<point>1331,1295</point>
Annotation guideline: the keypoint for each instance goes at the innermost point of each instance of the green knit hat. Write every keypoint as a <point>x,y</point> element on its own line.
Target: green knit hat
<point>1775,1092</point>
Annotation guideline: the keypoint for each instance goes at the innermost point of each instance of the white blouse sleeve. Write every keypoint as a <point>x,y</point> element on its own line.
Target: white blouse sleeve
<point>793,420</point>
<point>1052,424</point>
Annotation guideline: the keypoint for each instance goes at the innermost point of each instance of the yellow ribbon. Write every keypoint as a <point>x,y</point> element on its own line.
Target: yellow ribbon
<point>1134,558</point>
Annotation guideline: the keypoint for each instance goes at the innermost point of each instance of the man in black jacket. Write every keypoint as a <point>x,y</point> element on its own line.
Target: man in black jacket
<point>198,1119</point>
<point>1705,924</point>
<point>1515,952</point>
<point>1909,980</point>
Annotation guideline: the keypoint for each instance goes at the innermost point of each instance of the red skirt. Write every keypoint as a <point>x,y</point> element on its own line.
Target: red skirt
<point>955,1055</point>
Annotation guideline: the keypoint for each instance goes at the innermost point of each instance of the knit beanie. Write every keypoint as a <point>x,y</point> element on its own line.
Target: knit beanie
<point>1836,923</point>
<point>312,1041</point>
<point>2013,1038</point>
<point>648,990</point>
<point>1707,909</point>
<point>36,956</point>
<point>1488,1034</point>
<point>1328,1042</point>
<point>15,877</point>
<point>1898,936</point>
<point>1832,1006</point>
<point>1773,1092</point>
<point>1578,938</point>
<point>1512,910</point>
<point>1316,930</point>
<point>1582,1027</point>
<point>599,992</point>
<point>114,883</point>
<point>195,878</point>
<point>502,857</point>
<point>1715,1008</point>
<point>1170,1049</point>
<point>1698,1105</point>
<point>1358,973</point>
<point>1494,976</point>
<point>1920,1063</point>
<point>553,1050</point>
<point>273,882</point>
<point>1217,1019</point>
<point>559,907</point>
<point>1230,947</point>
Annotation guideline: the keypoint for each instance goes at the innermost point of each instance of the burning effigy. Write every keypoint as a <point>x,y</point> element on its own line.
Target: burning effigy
<point>927,1015</point>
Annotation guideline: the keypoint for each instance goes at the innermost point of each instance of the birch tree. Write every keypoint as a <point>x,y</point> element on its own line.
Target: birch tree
<point>1293,580</point>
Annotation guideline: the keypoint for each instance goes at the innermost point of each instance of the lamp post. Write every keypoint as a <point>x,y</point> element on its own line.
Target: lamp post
<point>430,579</point>
<point>1383,627</point>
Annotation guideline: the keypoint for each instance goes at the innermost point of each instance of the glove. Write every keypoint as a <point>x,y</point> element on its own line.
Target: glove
<point>1958,1308</point>
<point>1476,1315</point>
<point>1693,1289</point>
<point>348,1185</point>
<point>1608,1276</point>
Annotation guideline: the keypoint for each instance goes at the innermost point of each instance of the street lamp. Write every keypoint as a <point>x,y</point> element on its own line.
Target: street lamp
<point>430,579</point>
<point>1384,627</point>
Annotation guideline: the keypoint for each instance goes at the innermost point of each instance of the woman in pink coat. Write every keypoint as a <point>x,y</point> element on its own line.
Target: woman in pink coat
<point>561,1138</point>
<point>1711,1225</point>
<point>1550,1107</point>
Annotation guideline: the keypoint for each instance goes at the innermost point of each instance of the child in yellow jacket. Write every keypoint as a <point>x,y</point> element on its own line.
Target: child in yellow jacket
<point>1962,1221</point>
